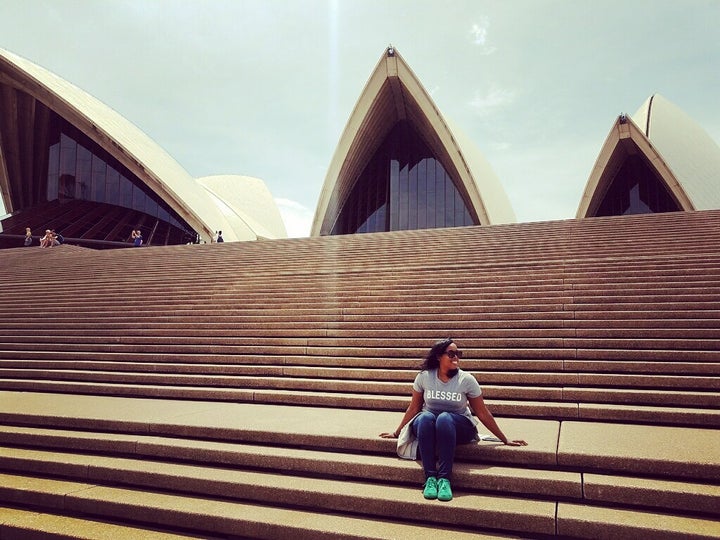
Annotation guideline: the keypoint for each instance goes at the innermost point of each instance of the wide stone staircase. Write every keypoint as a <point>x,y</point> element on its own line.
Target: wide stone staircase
<point>237,390</point>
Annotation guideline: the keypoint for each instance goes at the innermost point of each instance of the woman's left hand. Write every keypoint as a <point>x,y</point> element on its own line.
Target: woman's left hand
<point>388,436</point>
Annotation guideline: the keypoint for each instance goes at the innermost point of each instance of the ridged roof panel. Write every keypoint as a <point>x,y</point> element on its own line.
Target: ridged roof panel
<point>250,201</point>
<point>692,155</point>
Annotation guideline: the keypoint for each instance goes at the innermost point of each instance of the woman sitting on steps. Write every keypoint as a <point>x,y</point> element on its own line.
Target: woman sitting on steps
<point>440,416</point>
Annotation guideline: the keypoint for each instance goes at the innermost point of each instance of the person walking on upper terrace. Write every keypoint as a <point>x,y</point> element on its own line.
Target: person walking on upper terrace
<point>440,416</point>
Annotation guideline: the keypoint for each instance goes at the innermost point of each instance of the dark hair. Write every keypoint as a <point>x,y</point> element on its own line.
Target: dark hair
<point>432,358</point>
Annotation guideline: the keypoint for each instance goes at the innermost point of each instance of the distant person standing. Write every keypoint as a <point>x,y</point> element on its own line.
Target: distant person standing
<point>219,237</point>
<point>137,238</point>
<point>28,236</point>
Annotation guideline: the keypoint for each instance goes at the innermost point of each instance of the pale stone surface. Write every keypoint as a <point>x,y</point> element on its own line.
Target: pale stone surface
<point>679,452</point>
<point>17,524</point>
<point>21,490</point>
<point>597,523</point>
<point>82,440</point>
<point>685,496</point>
<point>349,428</point>
<point>67,409</point>
<point>550,484</point>
<point>467,475</point>
<point>224,517</point>
<point>650,414</point>
<point>276,489</point>
<point>44,462</point>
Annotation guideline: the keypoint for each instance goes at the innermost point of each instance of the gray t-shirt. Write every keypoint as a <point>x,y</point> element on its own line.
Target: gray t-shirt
<point>451,396</point>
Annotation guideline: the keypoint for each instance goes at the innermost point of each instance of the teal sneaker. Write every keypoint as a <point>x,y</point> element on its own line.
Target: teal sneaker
<point>430,491</point>
<point>444,492</point>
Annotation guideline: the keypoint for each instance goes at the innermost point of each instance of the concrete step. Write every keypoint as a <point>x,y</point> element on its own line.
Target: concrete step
<point>372,346</point>
<point>219,516</point>
<point>379,500</point>
<point>390,371</point>
<point>516,329</point>
<point>662,413</point>
<point>346,333</point>
<point>539,409</point>
<point>595,340</point>
<point>214,479</point>
<point>417,335</point>
<point>582,521</point>
<point>573,375</point>
<point>230,318</point>
<point>52,358</point>
<point>395,292</point>
<point>647,389</point>
<point>614,260</point>
<point>592,446</point>
<point>552,484</point>
<point>398,293</point>
<point>23,524</point>
<point>520,350</point>
<point>376,498</point>
<point>23,443</point>
<point>391,297</point>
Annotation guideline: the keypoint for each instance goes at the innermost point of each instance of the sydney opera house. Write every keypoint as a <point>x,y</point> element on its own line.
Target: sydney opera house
<point>68,162</point>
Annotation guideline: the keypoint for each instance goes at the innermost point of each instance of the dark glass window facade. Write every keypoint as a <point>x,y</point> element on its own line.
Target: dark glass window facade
<point>79,169</point>
<point>636,189</point>
<point>404,186</point>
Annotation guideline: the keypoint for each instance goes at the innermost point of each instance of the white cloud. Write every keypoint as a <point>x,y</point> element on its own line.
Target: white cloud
<point>479,36</point>
<point>297,217</point>
<point>494,99</point>
<point>501,146</point>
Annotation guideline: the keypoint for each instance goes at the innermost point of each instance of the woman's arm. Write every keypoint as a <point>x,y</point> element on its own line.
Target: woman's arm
<point>415,406</point>
<point>477,405</point>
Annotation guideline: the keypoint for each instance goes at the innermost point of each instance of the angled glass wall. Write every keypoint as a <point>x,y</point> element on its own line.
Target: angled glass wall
<point>403,187</point>
<point>636,189</point>
<point>79,170</point>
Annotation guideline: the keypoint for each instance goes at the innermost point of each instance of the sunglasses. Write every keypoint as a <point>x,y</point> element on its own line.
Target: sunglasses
<point>454,354</point>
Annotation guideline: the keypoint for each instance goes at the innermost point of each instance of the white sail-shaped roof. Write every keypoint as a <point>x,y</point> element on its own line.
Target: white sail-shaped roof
<point>692,155</point>
<point>129,145</point>
<point>393,93</point>
<point>247,203</point>
<point>682,154</point>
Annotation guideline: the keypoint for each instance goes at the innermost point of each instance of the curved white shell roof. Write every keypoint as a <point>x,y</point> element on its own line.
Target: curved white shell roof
<point>393,92</point>
<point>136,150</point>
<point>681,152</point>
<point>247,204</point>
<point>692,155</point>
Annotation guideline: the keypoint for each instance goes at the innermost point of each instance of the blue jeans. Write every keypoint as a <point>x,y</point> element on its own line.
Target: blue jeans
<point>441,434</point>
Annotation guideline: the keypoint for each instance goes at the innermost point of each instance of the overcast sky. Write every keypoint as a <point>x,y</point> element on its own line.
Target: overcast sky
<point>264,87</point>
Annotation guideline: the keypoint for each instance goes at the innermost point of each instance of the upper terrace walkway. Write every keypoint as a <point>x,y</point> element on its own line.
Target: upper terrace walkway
<point>237,390</point>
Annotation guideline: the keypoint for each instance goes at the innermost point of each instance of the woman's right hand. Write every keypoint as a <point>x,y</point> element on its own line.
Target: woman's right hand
<point>517,442</point>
